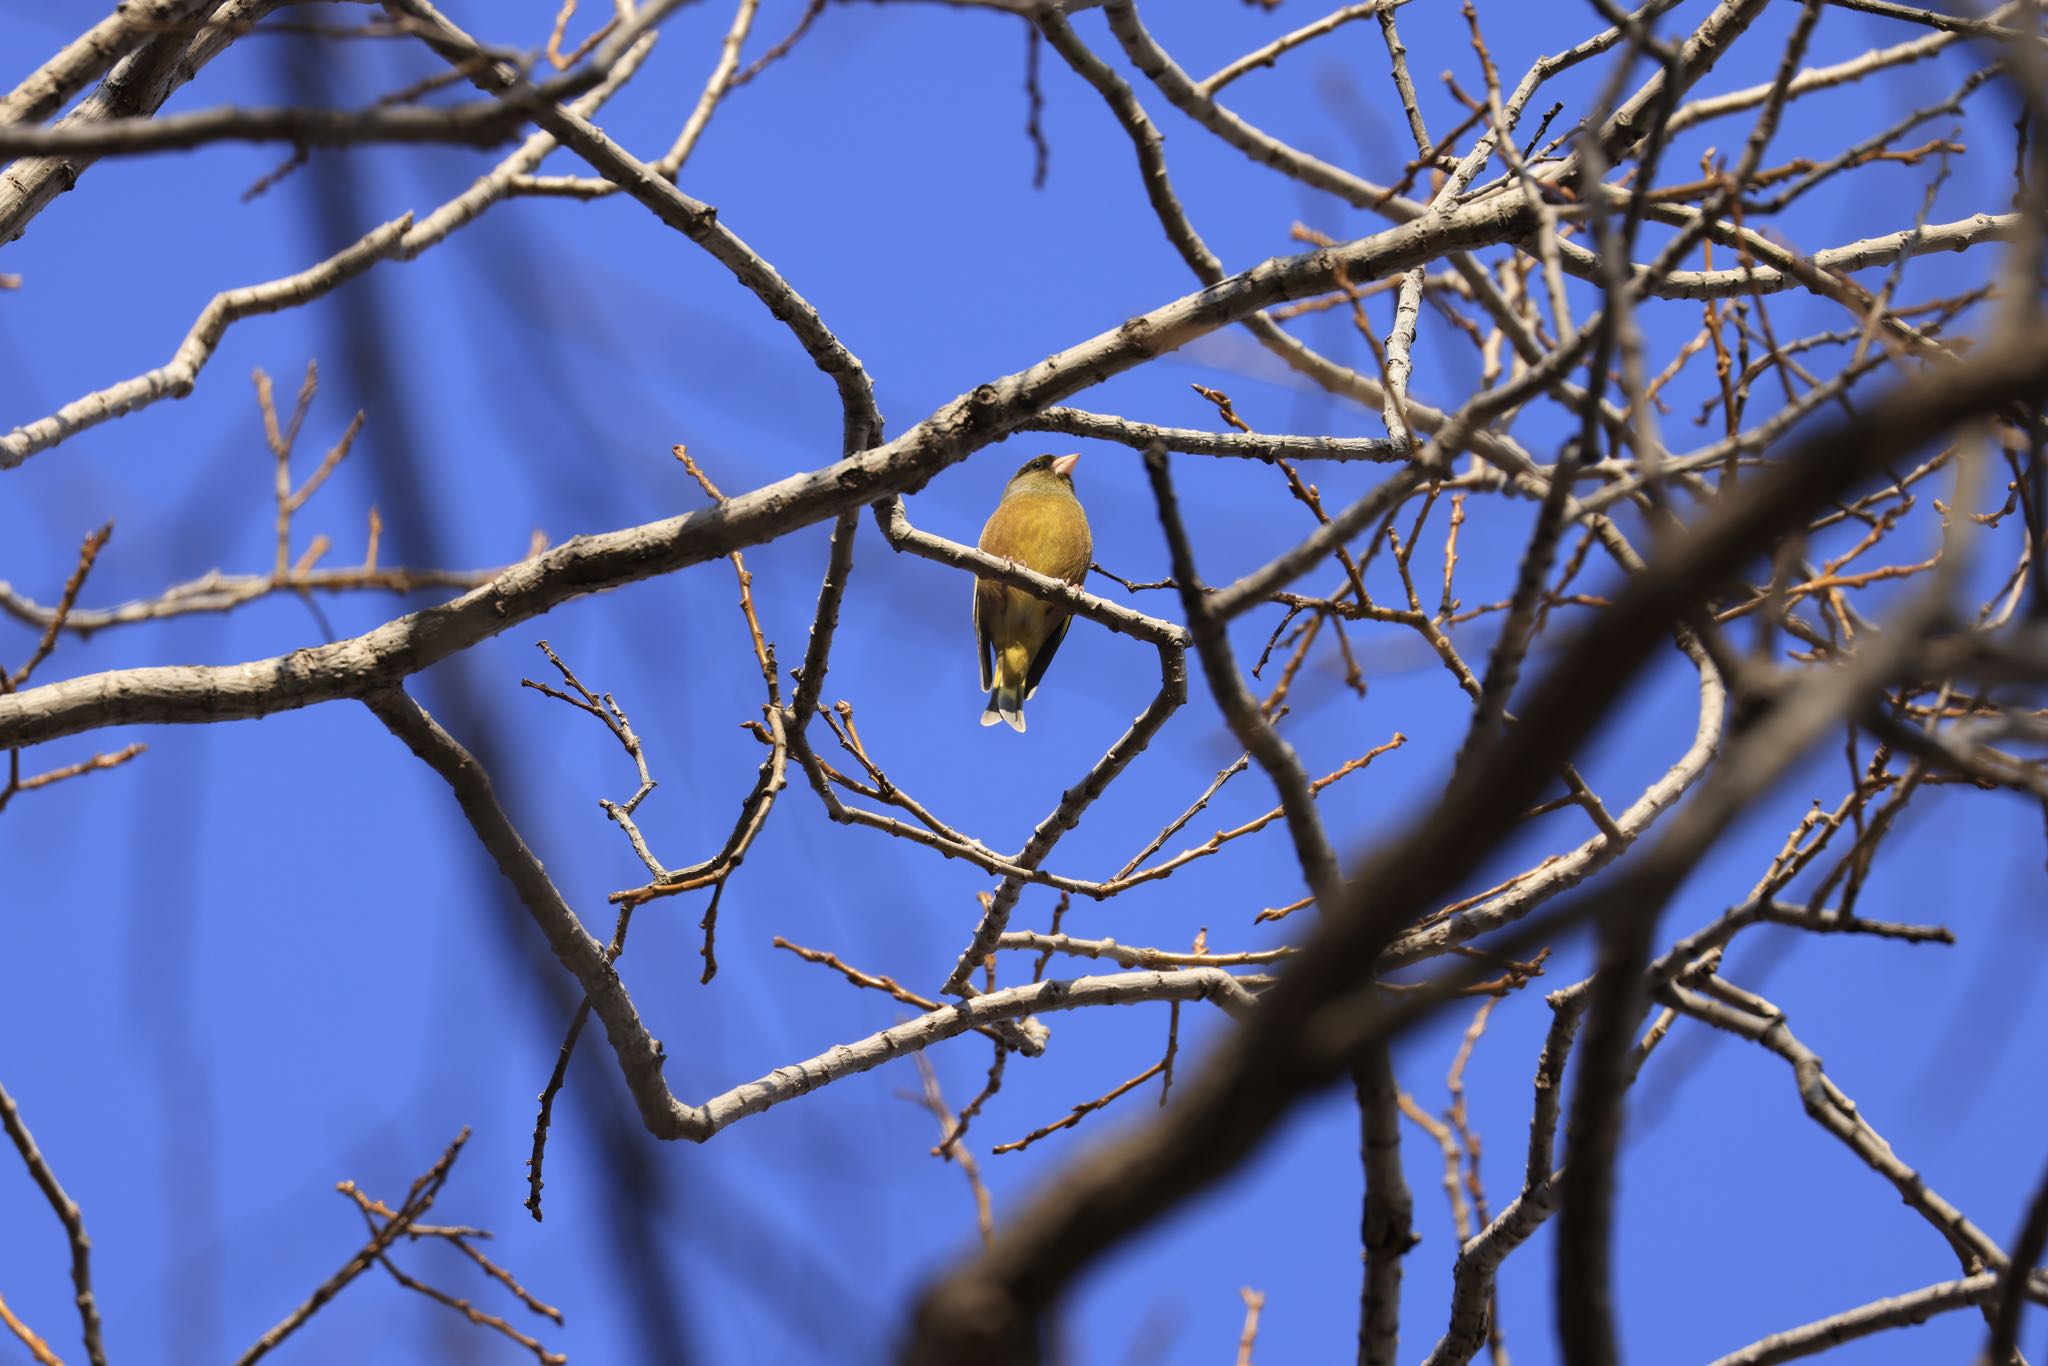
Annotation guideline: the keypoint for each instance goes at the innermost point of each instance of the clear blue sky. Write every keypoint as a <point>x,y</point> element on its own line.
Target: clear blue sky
<point>269,956</point>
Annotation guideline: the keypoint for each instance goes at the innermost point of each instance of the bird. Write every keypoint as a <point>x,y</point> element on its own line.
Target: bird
<point>1038,524</point>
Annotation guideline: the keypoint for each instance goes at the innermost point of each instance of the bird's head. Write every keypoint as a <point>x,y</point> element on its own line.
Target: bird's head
<point>1045,473</point>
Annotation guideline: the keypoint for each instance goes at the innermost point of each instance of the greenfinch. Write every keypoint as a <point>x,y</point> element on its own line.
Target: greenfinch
<point>1040,525</point>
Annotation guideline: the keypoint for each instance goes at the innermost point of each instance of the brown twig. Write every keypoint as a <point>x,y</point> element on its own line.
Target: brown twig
<point>563,61</point>
<point>37,1348</point>
<point>1254,1301</point>
<point>418,1200</point>
<point>87,555</point>
<point>951,1127</point>
<point>1081,1111</point>
<point>68,1214</point>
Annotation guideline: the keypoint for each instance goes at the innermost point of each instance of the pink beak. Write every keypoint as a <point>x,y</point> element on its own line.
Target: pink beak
<point>1064,465</point>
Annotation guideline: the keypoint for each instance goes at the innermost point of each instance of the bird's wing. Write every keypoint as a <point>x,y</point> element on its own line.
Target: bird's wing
<point>1043,658</point>
<point>984,608</point>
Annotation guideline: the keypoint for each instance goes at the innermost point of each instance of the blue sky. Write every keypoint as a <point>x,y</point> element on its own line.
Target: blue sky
<point>269,956</point>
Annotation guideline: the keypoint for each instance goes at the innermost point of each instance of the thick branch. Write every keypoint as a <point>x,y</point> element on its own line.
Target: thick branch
<point>483,123</point>
<point>1898,1311</point>
<point>137,85</point>
<point>43,91</point>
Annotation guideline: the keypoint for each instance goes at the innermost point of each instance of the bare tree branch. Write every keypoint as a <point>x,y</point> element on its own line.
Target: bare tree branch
<point>68,1214</point>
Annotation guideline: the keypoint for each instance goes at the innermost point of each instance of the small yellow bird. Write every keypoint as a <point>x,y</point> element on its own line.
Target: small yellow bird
<point>1040,525</point>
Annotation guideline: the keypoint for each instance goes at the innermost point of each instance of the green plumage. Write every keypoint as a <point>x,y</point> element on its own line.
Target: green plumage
<point>1041,526</point>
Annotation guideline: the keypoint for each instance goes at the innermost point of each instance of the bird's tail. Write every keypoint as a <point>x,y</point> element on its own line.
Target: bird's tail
<point>1006,698</point>
<point>1005,703</point>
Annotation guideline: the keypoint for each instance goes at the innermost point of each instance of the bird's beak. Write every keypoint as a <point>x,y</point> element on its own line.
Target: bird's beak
<point>1063,466</point>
